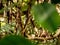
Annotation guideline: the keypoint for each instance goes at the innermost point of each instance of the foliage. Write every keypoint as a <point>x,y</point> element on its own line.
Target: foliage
<point>46,15</point>
<point>55,1</point>
<point>20,21</point>
<point>1,11</point>
<point>15,40</point>
<point>7,27</point>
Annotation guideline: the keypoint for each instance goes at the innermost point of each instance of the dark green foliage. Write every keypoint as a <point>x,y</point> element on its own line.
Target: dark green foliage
<point>2,11</point>
<point>1,4</point>
<point>55,1</point>
<point>15,40</point>
<point>1,7</point>
<point>46,15</point>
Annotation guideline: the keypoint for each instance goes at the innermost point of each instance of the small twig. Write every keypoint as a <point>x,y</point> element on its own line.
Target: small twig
<point>44,38</point>
<point>28,17</point>
<point>32,22</point>
<point>39,38</point>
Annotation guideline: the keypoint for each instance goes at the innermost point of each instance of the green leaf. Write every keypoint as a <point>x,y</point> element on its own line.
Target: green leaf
<point>46,15</point>
<point>15,40</point>
<point>1,11</point>
<point>7,27</point>
<point>24,8</point>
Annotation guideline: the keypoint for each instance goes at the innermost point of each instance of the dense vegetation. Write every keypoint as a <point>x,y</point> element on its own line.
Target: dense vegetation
<point>29,22</point>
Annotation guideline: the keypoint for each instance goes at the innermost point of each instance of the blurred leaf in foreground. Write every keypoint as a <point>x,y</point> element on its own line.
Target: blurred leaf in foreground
<point>46,15</point>
<point>15,40</point>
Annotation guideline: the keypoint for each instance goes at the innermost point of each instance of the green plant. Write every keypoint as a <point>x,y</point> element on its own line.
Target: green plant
<point>46,15</point>
<point>15,40</point>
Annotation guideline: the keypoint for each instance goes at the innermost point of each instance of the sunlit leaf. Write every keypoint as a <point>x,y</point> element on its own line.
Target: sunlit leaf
<point>7,27</point>
<point>3,23</point>
<point>24,8</point>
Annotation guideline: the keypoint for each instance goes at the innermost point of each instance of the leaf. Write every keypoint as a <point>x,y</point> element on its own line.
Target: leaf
<point>1,11</point>
<point>46,15</point>
<point>24,8</point>
<point>3,23</point>
<point>15,40</point>
<point>6,27</point>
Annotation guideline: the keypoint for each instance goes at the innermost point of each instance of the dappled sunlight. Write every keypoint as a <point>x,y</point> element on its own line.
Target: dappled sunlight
<point>1,19</point>
<point>29,22</point>
<point>58,8</point>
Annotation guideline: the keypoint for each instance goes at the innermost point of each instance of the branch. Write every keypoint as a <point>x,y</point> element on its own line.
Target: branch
<point>27,16</point>
<point>40,38</point>
<point>45,38</point>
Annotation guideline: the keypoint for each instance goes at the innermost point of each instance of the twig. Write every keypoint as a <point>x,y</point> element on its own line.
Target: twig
<point>39,38</point>
<point>28,17</point>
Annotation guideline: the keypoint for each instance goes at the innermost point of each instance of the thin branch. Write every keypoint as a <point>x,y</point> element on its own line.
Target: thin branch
<point>40,38</point>
<point>28,16</point>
